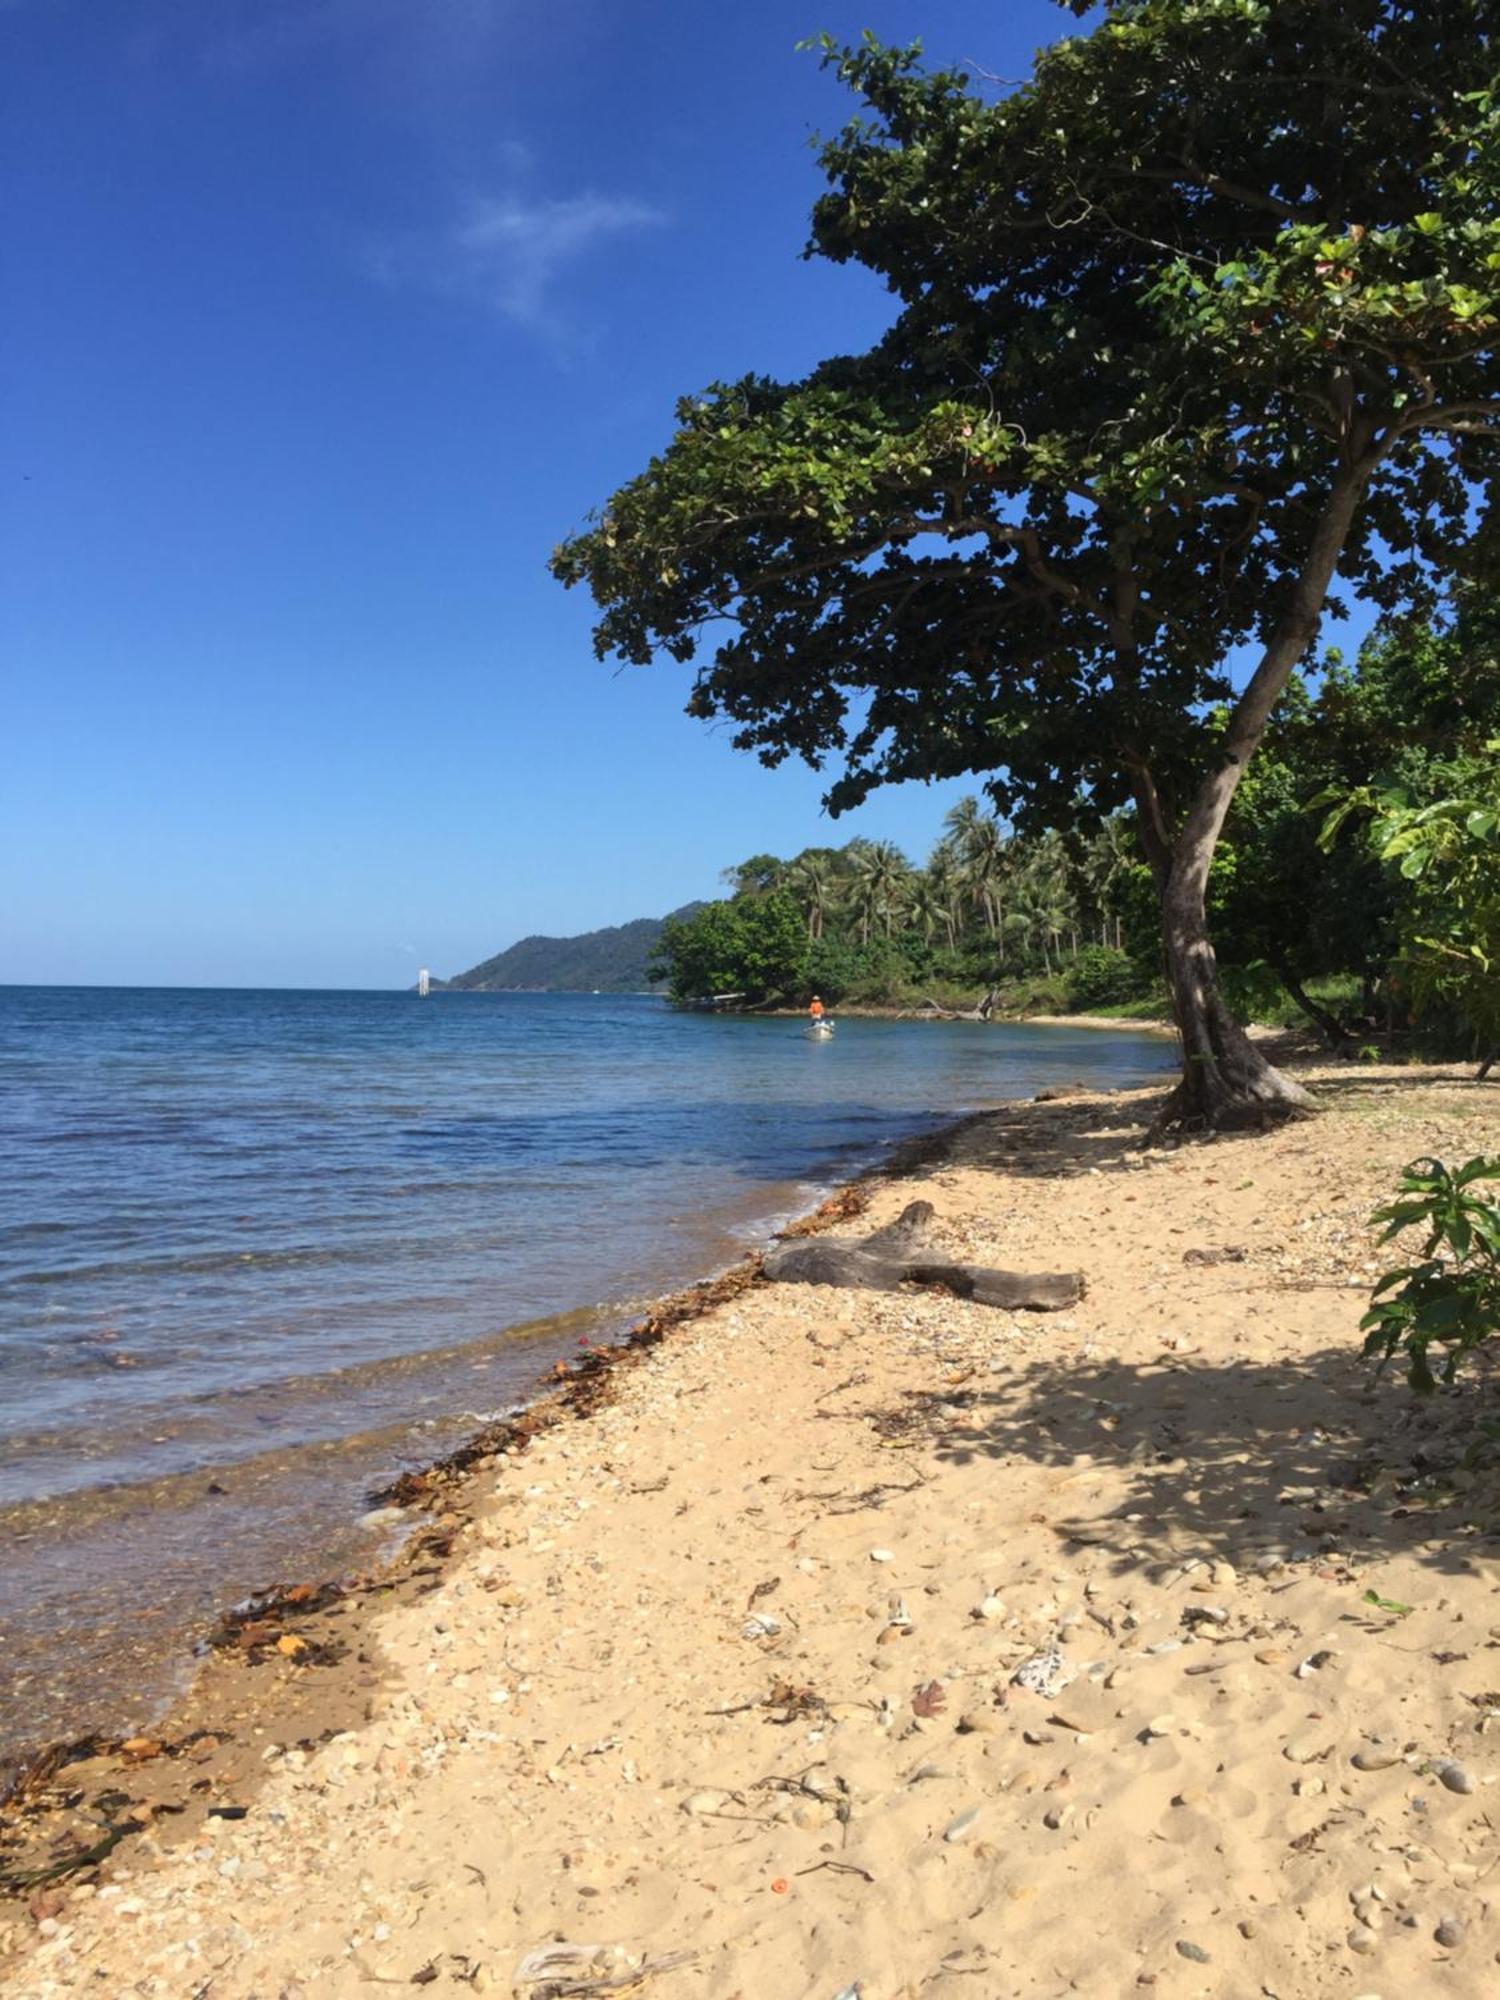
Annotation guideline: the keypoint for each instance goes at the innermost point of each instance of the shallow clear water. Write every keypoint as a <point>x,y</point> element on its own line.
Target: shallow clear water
<point>309,1235</point>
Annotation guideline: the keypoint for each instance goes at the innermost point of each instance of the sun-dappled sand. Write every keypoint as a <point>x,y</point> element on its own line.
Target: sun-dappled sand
<point>894,1646</point>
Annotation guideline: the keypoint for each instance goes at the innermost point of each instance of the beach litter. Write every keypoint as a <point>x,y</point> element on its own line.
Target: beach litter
<point>562,1971</point>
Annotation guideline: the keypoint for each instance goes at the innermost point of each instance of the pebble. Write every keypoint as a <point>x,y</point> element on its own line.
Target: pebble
<point>1454,1776</point>
<point>813,1813</point>
<point>1305,1749</point>
<point>1187,1949</point>
<point>963,1826</point>
<point>1375,1759</point>
<point>1160,1725</point>
<point>1450,1933</point>
<point>988,1608</point>
<point>1270,1656</point>
<point>1056,1817</point>
<point>1362,1943</point>
<point>1045,1673</point>
<point>703,1802</point>
<point>881,1556</point>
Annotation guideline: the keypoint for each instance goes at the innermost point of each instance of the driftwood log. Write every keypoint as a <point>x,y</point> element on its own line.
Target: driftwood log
<point>903,1253</point>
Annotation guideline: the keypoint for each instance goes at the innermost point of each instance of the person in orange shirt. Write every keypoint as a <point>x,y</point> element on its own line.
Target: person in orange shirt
<point>815,1011</point>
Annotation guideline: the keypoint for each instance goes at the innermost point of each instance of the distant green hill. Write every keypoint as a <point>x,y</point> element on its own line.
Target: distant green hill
<point>608,961</point>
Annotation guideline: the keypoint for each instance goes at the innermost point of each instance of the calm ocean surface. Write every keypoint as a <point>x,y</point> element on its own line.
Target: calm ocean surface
<point>260,1250</point>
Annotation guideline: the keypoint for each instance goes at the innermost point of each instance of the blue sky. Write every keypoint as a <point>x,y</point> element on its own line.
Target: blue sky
<point>324,320</point>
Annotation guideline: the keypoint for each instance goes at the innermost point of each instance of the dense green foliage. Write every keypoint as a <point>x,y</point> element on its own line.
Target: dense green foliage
<point>859,922</point>
<point>1192,327</point>
<point>1441,858</point>
<point>750,949</point>
<point>1306,899</point>
<point>614,960</point>
<point>1314,921</point>
<point>1450,1298</point>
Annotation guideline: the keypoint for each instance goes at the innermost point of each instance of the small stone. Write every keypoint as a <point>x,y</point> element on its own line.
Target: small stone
<point>1314,1663</point>
<point>1187,1949</point>
<point>703,1802</point>
<point>1247,1927</point>
<point>1362,1943</point>
<point>1368,1913</point>
<point>1046,1673</point>
<point>1371,1757</point>
<point>988,1608</point>
<point>1271,1656</point>
<point>1450,1933</point>
<point>1164,1646</point>
<point>1305,1749</point>
<point>813,1813</point>
<point>1057,1817</point>
<point>1454,1776</point>
<point>1160,1725</point>
<point>963,1826</point>
<point>881,1556</point>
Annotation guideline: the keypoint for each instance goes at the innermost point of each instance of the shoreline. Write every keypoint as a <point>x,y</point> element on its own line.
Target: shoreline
<point>428,1505</point>
<point>116,1583</point>
<point>477,1647</point>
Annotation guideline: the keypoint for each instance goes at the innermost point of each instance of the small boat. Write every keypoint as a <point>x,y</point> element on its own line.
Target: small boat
<point>819,1031</point>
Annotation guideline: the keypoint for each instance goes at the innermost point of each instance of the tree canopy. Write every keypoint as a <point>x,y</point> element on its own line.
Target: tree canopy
<point>1193,327</point>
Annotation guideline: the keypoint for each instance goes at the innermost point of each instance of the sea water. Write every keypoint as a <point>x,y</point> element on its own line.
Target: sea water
<point>259,1251</point>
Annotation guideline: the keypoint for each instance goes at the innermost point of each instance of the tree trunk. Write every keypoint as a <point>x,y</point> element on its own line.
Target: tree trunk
<point>1225,1079</point>
<point>1329,1025</point>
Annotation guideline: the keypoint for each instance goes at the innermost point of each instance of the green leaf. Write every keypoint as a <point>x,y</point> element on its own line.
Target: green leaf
<point>1391,1604</point>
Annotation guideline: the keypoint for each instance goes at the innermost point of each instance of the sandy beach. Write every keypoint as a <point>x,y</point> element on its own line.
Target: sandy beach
<point>897,1647</point>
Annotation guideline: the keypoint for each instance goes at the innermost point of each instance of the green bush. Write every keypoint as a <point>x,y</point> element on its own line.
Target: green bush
<point>1451,1298</point>
<point>1102,977</point>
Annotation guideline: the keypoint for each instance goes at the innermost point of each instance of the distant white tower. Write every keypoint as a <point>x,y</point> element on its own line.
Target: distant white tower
<point>424,984</point>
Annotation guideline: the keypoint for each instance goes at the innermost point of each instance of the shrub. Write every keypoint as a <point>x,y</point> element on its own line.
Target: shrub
<point>1451,1298</point>
<point>1102,977</point>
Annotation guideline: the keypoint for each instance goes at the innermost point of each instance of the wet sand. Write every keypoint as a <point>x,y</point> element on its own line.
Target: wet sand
<point>749,1675</point>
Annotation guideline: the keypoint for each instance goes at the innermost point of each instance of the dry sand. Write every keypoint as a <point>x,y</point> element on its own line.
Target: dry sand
<point>730,1668</point>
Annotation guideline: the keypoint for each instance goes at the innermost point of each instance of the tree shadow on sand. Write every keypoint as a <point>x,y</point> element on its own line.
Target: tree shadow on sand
<point>1239,1459</point>
<point>1061,1141</point>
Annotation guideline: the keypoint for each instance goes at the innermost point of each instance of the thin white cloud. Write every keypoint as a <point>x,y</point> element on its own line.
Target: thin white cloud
<point>509,251</point>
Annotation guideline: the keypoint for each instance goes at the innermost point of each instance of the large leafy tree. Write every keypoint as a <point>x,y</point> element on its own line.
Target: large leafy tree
<point>1194,327</point>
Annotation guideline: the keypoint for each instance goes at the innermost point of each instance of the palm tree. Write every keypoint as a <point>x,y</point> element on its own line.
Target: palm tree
<point>1110,853</point>
<point>928,907</point>
<point>944,882</point>
<point>880,873</point>
<point>810,879</point>
<point>1051,866</point>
